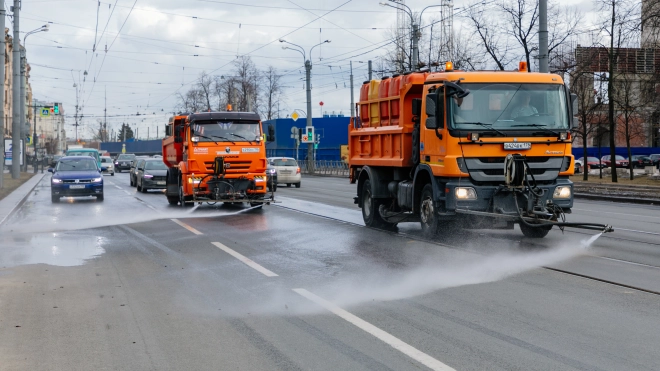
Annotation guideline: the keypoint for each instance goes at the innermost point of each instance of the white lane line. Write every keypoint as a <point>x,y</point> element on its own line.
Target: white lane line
<point>128,193</point>
<point>387,338</point>
<point>247,261</point>
<point>186,226</point>
<point>118,187</point>
<point>628,262</point>
<point>612,212</point>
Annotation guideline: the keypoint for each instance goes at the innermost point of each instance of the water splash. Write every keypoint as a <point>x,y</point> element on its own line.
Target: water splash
<point>587,244</point>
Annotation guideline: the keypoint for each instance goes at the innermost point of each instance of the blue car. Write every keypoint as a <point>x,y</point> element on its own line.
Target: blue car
<point>76,176</point>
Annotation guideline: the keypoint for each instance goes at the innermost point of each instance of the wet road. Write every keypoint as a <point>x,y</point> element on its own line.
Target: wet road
<point>133,284</point>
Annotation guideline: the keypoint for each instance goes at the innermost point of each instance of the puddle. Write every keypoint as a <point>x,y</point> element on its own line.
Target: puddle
<point>49,248</point>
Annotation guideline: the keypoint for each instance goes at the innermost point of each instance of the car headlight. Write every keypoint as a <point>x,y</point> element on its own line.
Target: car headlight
<point>562,192</point>
<point>97,180</point>
<point>148,176</point>
<point>56,181</point>
<point>465,193</point>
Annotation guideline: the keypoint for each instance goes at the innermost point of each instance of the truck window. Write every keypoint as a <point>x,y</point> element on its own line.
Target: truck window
<point>226,131</point>
<point>510,106</point>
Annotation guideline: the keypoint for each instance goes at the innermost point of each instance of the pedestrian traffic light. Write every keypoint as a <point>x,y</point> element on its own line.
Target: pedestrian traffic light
<point>52,111</point>
<point>56,108</point>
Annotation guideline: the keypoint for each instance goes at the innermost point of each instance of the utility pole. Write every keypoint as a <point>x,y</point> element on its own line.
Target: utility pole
<point>16,91</point>
<point>370,70</point>
<point>2,106</point>
<point>543,36</point>
<point>34,139</point>
<point>76,114</point>
<point>352,97</point>
<point>310,146</point>
<point>415,45</point>
<point>24,131</point>
<point>105,115</point>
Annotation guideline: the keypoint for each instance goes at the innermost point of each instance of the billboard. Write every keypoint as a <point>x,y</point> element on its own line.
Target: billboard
<point>8,152</point>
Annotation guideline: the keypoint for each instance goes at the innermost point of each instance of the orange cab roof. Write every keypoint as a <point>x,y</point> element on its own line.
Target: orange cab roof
<point>496,76</point>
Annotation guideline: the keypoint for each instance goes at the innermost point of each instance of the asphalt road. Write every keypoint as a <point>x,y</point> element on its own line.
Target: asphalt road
<point>134,284</point>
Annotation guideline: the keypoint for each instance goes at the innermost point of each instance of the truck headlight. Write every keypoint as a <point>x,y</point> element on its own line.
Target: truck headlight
<point>562,192</point>
<point>465,193</point>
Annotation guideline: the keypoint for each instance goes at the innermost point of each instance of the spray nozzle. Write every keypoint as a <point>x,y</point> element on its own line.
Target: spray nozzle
<point>608,228</point>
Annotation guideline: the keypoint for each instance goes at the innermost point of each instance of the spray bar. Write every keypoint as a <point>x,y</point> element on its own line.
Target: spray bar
<point>592,226</point>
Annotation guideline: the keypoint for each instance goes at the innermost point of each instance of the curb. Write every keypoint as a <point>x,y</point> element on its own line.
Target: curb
<point>22,201</point>
<point>632,200</point>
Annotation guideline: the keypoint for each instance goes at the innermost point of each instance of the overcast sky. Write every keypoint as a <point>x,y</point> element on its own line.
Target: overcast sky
<point>156,48</point>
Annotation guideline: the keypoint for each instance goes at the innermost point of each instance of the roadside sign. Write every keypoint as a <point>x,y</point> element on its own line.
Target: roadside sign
<point>45,112</point>
<point>295,116</point>
<point>8,152</point>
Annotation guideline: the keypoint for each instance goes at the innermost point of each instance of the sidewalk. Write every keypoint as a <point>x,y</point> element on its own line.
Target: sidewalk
<point>15,199</point>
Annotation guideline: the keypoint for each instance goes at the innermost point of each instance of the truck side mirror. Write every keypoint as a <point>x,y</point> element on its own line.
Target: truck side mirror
<point>271,134</point>
<point>574,104</point>
<point>168,130</point>
<point>417,107</point>
<point>434,112</point>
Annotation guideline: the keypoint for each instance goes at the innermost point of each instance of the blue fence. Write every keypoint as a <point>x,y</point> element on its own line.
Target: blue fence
<point>621,151</point>
<point>142,147</point>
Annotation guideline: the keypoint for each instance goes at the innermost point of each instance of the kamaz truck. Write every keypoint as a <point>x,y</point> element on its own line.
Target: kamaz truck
<point>457,149</point>
<point>216,157</point>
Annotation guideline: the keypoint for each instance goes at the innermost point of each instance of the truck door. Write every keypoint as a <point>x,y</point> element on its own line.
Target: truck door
<point>433,133</point>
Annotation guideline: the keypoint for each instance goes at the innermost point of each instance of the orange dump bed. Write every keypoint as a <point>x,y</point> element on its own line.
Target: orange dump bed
<point>382,133</point>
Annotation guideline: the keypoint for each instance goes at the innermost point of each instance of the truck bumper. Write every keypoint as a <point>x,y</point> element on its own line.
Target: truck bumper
<point>499,199</point>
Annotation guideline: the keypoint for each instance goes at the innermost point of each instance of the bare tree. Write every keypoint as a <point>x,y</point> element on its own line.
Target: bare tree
<point>204,84</point>
<point>589,109</point>
<point>247,82</point>
<point>271,92</point>
<point>487,28</point>
<point>522,24</point>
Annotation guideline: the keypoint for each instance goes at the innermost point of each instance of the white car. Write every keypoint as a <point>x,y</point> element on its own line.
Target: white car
<point>107,163</point>
<point>288,171</point>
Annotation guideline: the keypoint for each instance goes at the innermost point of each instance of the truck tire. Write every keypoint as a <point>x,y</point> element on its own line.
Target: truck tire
<point>427,213</point>
<point>370,206</point>
<point>534,232</point>
<point>172,200</point>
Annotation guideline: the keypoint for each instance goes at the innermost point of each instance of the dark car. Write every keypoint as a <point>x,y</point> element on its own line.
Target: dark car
<point>271,178</point>
<point>124,161</point>
<point>76,176</point>
<point>151,174</point>
<point>620,161</point>
<point>655,158</point>
<point>54,159</point>
<point>133,170</point>
<point>639,161</point>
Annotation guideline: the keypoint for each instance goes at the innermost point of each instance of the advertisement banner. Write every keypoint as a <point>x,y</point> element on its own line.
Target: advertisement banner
<point>8,152</point>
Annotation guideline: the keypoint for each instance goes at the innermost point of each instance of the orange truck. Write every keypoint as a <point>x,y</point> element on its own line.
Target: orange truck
<point>457,149</point>
<point>216,157</point>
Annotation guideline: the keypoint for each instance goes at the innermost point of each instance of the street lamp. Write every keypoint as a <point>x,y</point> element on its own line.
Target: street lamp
<point>35,138</point>
<point>308,78</point>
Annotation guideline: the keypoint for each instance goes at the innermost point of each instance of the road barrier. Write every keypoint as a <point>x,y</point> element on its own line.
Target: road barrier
<point>325,167</point>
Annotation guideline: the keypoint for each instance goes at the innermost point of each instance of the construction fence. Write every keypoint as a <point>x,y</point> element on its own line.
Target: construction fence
<point>325,167</point>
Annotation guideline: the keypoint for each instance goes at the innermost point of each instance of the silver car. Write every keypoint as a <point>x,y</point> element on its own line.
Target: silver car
<point>288,171</point>
<point>107,163</point>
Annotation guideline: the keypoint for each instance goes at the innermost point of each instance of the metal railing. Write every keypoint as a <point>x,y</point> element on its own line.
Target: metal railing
<point>325,167</point>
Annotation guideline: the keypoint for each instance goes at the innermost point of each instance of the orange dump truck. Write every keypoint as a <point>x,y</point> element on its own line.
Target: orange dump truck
<point>458,149</point>
<point>216,157</point>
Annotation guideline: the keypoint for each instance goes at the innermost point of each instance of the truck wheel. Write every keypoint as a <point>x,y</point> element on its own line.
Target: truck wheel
<point>370,206</point>
<point>172,200</point>
<point>182,199</point>
<point>427,213</point>
<point>534,232</point>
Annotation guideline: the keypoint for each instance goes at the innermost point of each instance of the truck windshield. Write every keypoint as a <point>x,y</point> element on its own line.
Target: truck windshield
<point>510,107</point>
<point>226,131</point>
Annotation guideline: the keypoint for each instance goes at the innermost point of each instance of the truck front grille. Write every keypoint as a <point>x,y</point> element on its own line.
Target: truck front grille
<point>491,169</point>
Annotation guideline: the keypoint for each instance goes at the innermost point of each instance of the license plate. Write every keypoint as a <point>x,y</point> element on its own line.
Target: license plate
<point>123,164</point>
<point>77,186</point>
<point>162,182</point>
<point>517,145</point>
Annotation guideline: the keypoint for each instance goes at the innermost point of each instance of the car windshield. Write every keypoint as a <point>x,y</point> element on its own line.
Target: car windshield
<point>155,165</point>
<point>510,107</point>
<point>619,157</point>
<point>593,159</point>
<point>78,164</point>
<point>284,162</point>
<point>125,157</point>
<point>226,131</point>
<point>106,159</point>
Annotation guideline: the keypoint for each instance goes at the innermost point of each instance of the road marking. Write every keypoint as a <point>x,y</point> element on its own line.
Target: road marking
<point>387,338</point>
<point>629,262</point>
<point>247,261</point>
<point>118,187</point>
<point>186,226</point>
<point>128,193</point>
<point>612,212</point>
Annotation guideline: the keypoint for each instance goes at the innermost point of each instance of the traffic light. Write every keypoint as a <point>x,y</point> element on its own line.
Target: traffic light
<point>52,111</point>
<point>310,134</point>
<point>56,109</point>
